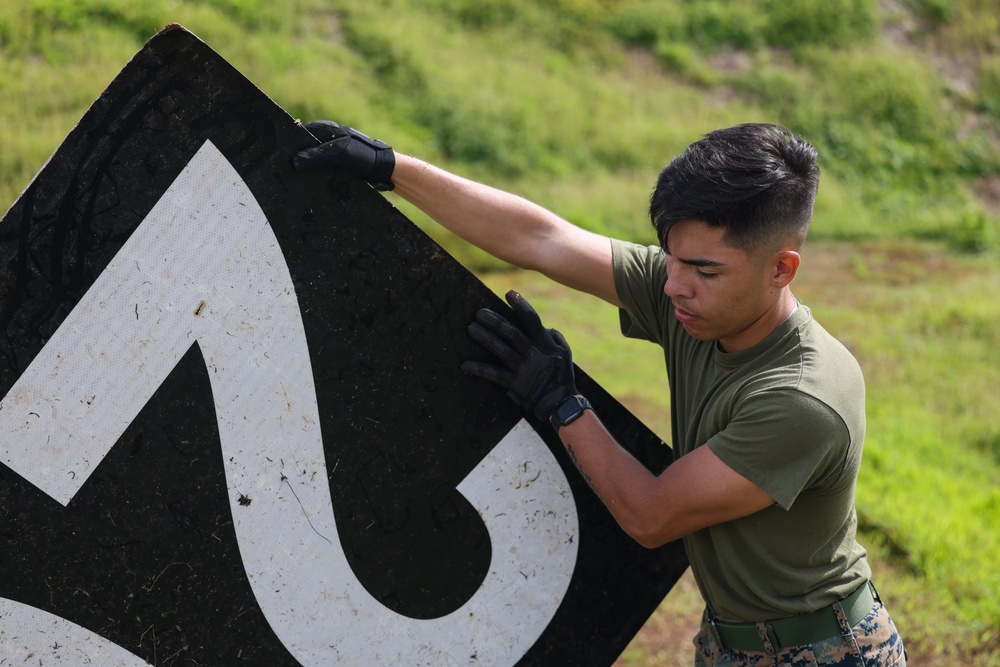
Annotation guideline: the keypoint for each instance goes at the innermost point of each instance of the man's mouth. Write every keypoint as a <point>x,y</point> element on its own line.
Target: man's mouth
<point>683,316</point>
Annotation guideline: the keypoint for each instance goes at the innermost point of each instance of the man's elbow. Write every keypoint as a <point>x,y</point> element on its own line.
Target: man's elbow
<point>651,541</point>
<point>650,535</point>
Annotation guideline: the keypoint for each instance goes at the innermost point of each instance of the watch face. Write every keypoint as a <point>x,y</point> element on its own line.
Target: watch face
<point>570,410</point>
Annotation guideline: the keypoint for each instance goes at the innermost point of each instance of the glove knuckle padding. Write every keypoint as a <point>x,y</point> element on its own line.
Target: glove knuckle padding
<point>343,146</point>
<point>490,341</point>
<point>501,376</point>
<point>324,130</point>
<point>504,330</point>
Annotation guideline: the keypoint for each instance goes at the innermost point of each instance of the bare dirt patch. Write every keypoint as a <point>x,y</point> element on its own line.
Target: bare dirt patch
<point>988,191</point>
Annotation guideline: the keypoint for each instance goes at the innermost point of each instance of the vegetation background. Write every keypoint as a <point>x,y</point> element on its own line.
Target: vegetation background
<point>577,104</point>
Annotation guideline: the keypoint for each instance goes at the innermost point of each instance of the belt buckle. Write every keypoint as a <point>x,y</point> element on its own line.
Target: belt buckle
<point>769,638</point>
<point>871,586</point>
<point>713,630</point>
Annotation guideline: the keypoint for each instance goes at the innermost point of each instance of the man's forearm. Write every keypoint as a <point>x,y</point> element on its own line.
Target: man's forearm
<point>620,481</point>
<point>509,227</point>
<point>696,491</point>
<point>503,224</point>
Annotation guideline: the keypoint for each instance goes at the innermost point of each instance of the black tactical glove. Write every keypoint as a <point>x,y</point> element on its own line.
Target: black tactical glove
<point>537,363</point>
<point>343,146</point>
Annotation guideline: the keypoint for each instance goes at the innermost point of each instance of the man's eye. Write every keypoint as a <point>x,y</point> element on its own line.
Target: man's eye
<point>705,274</point>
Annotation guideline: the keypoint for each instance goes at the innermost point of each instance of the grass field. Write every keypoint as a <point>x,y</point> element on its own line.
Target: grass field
<point>577,103</point>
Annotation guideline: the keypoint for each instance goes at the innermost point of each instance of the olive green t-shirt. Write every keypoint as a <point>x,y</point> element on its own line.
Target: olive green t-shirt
<point>789,415</point>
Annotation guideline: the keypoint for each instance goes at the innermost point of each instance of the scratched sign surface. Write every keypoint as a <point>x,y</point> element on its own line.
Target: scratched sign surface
<point>234,427</point>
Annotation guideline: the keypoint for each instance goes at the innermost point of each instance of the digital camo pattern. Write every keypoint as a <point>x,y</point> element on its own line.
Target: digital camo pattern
<point>874,642</point>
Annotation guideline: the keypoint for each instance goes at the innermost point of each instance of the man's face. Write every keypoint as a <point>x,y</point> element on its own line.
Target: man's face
<point>719,292</point>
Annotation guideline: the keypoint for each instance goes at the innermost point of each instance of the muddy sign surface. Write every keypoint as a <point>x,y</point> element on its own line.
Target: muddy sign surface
<point>234,428</point>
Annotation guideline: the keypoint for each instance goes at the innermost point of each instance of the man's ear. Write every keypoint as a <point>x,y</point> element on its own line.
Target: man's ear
<point>784,265</point>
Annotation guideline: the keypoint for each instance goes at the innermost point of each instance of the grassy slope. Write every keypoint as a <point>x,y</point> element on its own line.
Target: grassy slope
<point>578,102</point>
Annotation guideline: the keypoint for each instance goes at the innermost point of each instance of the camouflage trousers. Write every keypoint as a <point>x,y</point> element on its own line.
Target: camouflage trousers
<point>873,642</point>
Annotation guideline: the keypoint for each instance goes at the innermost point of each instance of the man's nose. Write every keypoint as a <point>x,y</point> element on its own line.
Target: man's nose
<point>675,286</point>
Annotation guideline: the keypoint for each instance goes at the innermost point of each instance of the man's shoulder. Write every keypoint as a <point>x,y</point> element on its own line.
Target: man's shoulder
<point>831,374</point>
<point>826,359</point>
<point>809,362</point>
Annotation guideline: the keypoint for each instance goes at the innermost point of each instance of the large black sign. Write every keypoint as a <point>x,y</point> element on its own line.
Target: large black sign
<point>234,428</point>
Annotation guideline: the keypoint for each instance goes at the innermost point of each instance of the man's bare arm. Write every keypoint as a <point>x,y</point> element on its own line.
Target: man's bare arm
<point>696,491</point>
<point>509,227</point>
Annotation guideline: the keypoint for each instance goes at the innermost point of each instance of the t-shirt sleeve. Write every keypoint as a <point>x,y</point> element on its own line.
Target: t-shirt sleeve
<point>640,273</point>
<point>784,441</point>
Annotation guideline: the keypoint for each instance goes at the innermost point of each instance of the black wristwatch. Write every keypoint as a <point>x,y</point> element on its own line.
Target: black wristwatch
<point>568,410</point>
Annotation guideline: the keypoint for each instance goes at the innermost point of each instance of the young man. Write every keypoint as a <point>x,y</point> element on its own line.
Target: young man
<point>767,408</point>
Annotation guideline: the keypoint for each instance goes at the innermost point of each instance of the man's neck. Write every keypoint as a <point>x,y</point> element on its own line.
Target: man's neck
<point>764,326</point>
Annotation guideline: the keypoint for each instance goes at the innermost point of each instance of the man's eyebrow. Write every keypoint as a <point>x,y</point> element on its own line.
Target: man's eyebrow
<point>701,262</point>
<point>697,261</point>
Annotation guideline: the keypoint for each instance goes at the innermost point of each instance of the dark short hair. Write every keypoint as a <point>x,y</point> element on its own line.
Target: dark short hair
<point>757,181</point>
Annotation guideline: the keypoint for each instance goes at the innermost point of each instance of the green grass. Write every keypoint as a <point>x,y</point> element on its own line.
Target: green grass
<point>577,103</point>
<point>922,322</point>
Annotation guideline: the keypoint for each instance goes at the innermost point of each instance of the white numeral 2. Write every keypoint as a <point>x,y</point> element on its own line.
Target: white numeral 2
<point>205,268</point>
